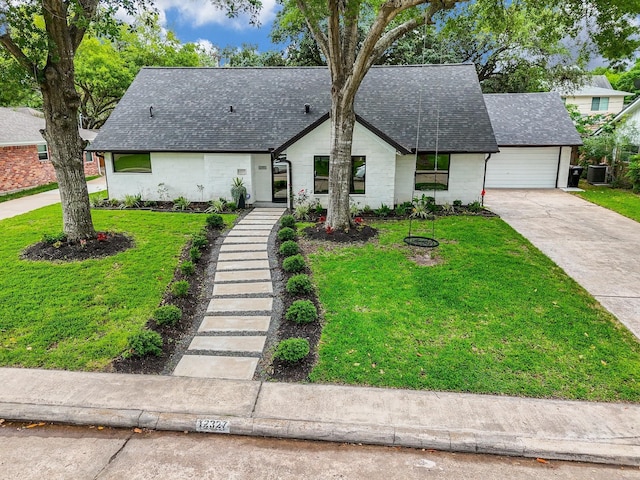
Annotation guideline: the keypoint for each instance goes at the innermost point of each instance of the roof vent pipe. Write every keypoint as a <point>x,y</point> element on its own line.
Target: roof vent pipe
<point>151,111</point>
<point>231,108</point>
<point>307,108</point>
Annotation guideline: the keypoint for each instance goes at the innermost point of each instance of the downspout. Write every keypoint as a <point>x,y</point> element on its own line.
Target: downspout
<point>558,170</point>
<point>484,179</point>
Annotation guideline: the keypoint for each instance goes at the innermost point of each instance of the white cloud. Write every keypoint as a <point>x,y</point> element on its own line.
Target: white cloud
<point>198,13</point>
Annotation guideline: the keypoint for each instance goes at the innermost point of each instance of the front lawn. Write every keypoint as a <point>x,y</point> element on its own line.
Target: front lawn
<point>495,316</point>
<point>78,315</point>
<point>625,202</point>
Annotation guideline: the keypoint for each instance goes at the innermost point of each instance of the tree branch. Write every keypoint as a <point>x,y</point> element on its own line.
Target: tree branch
<point>16,52</point>
<point>78,27</point>
<point>314,28</point>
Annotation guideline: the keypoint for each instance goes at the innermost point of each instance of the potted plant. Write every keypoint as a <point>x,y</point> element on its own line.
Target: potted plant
<point>239,192</point>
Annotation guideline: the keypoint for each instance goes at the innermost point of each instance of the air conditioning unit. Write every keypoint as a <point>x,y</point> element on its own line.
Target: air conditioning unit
<point>597,174</point>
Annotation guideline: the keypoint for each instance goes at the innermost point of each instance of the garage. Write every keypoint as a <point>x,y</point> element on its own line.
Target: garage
<point>535,136</point>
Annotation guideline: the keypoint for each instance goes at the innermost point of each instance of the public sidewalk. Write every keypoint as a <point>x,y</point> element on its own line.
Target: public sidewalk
<point>13,208</point>
<point>550,429</point>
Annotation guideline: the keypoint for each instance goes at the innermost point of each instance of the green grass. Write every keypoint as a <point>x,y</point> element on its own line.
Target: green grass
<point>495,316</point>
<point>625,202</point>
<point>78,315</point>
<point>32,191</point>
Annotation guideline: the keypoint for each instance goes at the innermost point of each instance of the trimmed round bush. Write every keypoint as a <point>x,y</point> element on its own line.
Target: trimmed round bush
<point>215,221</point>
<point>288,221</point>
<point>292,349</point>
<point>299,285</point>
<point>302,311</point>
<point>195,254</point>
<point>294,263</point>
<point>200,240</point>
<point>145,342</point>
<point>167,315</point>
<point>180,288</point>
<point>289,248</point>
<point>187,268</point>
<point>286,233</point>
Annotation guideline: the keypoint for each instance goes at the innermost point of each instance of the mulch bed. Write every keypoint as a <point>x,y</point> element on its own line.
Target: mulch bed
<point>360,233</point>
<point>105,245</point>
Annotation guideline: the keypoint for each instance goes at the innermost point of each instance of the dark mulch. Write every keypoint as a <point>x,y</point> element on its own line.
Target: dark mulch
<point>360,233</point>
<point>108,244</point>
<point>172,335</point>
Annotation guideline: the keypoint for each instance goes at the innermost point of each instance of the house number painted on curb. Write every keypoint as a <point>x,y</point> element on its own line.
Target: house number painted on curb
<point>212,426</point>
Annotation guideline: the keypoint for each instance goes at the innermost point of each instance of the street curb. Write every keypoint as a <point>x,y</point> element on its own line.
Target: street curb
<point>402,436</point>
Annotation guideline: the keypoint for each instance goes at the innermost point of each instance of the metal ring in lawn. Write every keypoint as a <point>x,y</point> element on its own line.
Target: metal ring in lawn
<point>424,242</point>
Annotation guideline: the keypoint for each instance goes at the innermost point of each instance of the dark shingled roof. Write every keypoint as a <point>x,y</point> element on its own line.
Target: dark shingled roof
<point>531,120</point>
<point>191,109</point>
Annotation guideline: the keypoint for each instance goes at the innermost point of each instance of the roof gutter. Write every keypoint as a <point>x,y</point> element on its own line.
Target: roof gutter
<point>484,179</point>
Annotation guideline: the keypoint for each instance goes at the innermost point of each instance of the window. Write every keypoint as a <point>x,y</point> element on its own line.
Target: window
<point>43,153</point>
<point>88,157</point>
<point>132,162</point>
<point>599,104</point>
<point>432,173</point>
<point>321,174</point>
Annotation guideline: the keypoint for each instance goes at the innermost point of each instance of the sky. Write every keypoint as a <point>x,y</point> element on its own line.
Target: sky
<point>199,21</point>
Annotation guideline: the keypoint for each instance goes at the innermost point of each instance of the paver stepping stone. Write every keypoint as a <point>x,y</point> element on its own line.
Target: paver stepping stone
<point>228,256</point>
<point>256,221</point>
<point>229,344</point>
<point>242,275</point>
<point>247,288</point>
<point>240,226</point>
<point>208,366</point>
<point>263,216</point>
<point>243,265</point>
<point>240,305</point>
<point>243,247</point>
<point>234,240</point>
<point>248,233</point>
<point>230,323</point>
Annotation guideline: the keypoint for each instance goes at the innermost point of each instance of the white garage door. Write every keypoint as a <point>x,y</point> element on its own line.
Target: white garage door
<point>523,167</point>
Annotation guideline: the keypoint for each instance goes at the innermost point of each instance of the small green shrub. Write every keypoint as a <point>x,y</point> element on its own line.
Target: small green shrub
<point>633,172</point>
<point>383,211</point>
<point>167,315</point>
<point>215,221</point>
<point>299,285</point>
<point>217,206</point>
<point>302,311</point>
<point>52,238</point>
<point>405,208</point>
<point>132,201</point>
<point>180,288</point>
<point>195,254</point>
<point>292,349</point>
<point>286,233</point>
<point>181,203</point>
<point>289,248</point>
<point>145,342</point>
<point>457,203</point>
<point>231,206</point>
<point>475,207</point>
<point>200,240</point>
<point>301,211</point>
<point>294,263</point>
<point>187,268</point>
<point>288,221</point>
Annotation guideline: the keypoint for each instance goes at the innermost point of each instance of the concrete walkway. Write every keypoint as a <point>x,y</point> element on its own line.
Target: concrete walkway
<point>551,429</point>
<point>13,208</point>
<point>231,337</point>
<point>598,248</point>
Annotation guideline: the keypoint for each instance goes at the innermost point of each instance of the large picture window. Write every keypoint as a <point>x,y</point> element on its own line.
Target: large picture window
<point>321,174</point>
<point>432,172</point>
<point>599,104</point>
<point>132,162</point>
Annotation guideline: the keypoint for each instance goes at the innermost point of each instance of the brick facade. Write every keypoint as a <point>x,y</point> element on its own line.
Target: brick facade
<point>21,168</point>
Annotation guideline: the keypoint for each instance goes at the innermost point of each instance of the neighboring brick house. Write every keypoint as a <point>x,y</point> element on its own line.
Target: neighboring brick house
<point>24,159</point>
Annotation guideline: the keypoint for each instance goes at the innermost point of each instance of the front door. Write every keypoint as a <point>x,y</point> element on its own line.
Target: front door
<point>280,179</point>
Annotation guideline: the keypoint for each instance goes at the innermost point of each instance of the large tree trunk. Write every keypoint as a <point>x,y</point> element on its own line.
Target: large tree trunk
<point>343,119</point>
<point>61,102</point>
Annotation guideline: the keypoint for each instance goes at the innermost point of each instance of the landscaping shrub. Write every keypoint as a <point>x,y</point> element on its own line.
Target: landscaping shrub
<point>231,206</point>
<point>289,248</point>
<point>167,315</point>
<point>294,264</point>
<point>302,311</point>
<point>215,221</point>
<point>132,201</point>
<point>475,207</point>
<point>457,203</point>
<point>195,254</point>
<point>187,268</point>
<point>633,172</point>
<point>383,211</point>
<point>181,203</point>
<point>299,284</point>
<point>145,342</point>
<point>217,206</point>
<point>286,233</point>
<point>405,208</point>
<point>200,240</point>
<point>180,288</point>
<point>52,238</point>
<point>292,349</point>
<point>288,221</point>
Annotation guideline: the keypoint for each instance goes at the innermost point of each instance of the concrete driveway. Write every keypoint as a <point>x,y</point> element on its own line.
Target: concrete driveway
<point>598,248</point>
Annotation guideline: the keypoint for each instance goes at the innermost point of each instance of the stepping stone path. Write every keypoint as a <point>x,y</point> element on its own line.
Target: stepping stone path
<point>232,335</point>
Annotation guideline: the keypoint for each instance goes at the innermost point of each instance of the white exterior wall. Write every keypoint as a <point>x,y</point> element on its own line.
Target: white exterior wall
<point>182,173</point>
<point>528,167</point>
<point>583,103</point>
<point>380,161</point>
<point>466,171</point>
